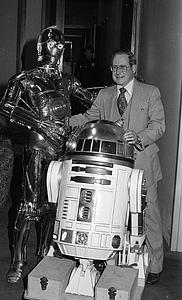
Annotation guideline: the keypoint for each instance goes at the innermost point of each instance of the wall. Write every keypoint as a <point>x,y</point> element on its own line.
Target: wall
<point>32,30</point>
<point>109,17</point>
<point>159,63</point>
<point>10,29</point>
<point>8,25</point>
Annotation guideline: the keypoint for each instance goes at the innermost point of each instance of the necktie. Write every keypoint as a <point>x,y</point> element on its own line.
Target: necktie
<point>121,101</point>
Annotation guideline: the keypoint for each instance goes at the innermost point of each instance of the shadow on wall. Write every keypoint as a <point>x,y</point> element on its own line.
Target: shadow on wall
<point>28,58</point>
<point>29,55</point>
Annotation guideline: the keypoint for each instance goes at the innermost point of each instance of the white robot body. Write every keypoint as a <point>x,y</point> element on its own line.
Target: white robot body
<point>91,214</point>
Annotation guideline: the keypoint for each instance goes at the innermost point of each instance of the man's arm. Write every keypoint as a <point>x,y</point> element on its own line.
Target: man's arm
<point>90,115</point>
<point>156,120</point>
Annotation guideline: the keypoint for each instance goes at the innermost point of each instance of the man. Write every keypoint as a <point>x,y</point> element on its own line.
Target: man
<point>144,123</point>
<point>87,69</point>
<point>39,100</point>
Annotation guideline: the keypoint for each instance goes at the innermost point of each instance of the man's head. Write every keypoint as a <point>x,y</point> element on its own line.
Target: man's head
<point>89,51</point>
<point>50,46</point>
<point>123,66</point>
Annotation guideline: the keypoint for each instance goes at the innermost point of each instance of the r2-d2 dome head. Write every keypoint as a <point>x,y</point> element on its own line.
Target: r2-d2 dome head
<point>50,46</point>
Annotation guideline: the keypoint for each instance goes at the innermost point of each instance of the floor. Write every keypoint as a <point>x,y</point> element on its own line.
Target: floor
<point>169,287</point>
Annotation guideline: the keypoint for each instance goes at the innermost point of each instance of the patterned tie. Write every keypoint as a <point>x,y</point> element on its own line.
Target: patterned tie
<point>121,101</point>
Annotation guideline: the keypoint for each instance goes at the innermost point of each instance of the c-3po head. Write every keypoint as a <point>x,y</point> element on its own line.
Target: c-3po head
<point>50,46</point>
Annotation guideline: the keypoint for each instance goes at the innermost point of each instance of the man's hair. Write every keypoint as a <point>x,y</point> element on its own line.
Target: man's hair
<point>131,56</point>
<point>89,48</point>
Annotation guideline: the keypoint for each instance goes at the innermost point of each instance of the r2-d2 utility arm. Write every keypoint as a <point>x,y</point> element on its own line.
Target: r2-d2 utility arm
<point>100,200</point>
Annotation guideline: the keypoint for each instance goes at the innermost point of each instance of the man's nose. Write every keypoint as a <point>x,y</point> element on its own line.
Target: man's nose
<point>118,70</point>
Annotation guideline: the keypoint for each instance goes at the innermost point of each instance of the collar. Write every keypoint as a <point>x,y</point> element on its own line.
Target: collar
<point>129,90</point>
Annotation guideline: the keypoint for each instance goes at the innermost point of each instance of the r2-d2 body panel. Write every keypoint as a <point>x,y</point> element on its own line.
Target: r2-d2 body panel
<point>94,192</point>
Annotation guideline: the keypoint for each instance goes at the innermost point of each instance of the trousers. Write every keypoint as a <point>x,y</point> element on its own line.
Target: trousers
<point>153,228</point>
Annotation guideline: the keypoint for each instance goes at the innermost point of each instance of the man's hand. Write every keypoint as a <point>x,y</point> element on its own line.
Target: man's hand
<point>131,137</point>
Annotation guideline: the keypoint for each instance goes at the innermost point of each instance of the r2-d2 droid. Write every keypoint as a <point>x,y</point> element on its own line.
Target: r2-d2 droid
<point>101,203</point>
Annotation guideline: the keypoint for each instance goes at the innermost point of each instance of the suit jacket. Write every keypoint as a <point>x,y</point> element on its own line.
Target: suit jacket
<point>144,115</point>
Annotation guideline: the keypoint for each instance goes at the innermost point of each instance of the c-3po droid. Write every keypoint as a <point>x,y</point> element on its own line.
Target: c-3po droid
<point>100,213</point>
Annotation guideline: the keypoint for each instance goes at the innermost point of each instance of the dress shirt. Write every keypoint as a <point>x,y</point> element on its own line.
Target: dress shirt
<point>129,90</point>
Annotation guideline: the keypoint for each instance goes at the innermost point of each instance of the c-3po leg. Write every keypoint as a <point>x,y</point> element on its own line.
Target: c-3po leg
<point>46,230</point>
<point>21,235</point>
<point>29,211</point>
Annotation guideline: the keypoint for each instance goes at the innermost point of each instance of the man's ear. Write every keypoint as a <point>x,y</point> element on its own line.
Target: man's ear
<point>134,69</point>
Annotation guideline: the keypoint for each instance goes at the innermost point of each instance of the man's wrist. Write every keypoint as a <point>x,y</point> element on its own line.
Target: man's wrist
<point>139,145</point>
<point>139,142</point>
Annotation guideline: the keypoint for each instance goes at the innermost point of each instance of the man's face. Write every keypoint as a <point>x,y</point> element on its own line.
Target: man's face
<point>122,77</point>
<point>88,54</point>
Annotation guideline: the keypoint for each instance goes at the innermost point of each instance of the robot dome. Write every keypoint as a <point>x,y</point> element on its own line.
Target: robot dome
<point>95,185</point>
<point>101,140</point>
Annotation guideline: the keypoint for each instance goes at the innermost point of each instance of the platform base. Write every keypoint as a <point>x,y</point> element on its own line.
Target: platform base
<point>118,282</point>
<point>48,280</point>
<point>56,273</point>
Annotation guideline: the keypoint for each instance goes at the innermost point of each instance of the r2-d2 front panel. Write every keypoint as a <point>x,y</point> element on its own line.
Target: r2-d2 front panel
<point>94,192</point>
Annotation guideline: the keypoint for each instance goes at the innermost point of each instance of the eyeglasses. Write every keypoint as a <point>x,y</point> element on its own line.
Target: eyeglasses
<point>120,68</point>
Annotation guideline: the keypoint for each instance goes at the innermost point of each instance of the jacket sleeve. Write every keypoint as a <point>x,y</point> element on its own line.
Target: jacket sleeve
<point>90,115</point>
<point>155,119</point>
